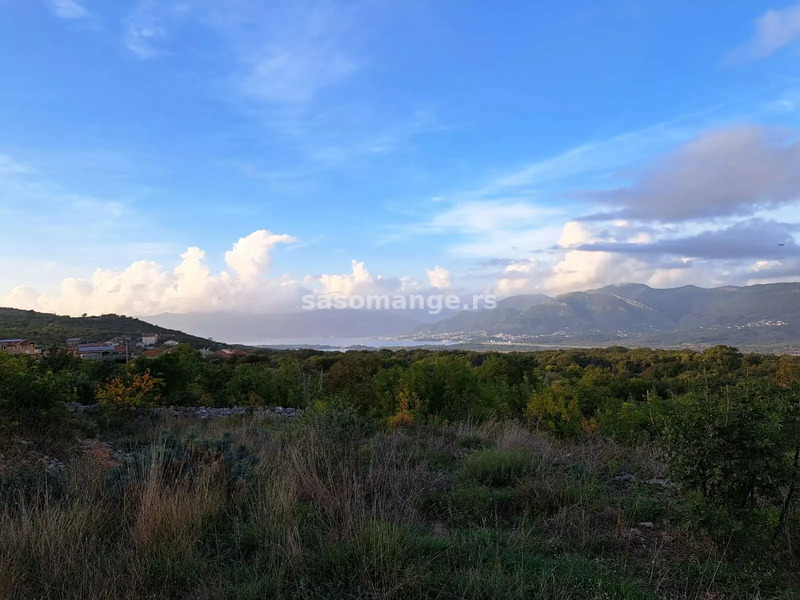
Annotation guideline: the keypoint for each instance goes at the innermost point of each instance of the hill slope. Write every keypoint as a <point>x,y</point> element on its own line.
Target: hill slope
<point>46,328</point>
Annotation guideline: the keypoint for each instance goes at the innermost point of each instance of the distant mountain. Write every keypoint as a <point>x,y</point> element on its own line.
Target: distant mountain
<point>46,329</point>
<point>757,314</point>
<point>255,329</point>
<point>501,318</point>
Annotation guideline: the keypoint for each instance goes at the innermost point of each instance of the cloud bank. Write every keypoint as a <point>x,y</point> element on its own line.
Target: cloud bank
<point>146,288</point>
<point>722,172</point>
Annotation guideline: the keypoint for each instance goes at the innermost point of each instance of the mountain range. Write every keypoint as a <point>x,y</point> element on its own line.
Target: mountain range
<point>749,315</point>
<point>758,317</point>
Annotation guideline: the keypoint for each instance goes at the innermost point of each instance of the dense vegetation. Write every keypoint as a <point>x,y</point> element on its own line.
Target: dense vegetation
<point>568,474</point>
<point>46,329</point>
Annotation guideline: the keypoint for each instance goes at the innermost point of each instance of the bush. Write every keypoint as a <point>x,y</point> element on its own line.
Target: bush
<point>555,409</point>
<point>734,446</point>
<point>30,397</point>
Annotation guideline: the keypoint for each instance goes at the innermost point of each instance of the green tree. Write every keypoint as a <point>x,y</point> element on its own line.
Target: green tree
<point>734,445</point>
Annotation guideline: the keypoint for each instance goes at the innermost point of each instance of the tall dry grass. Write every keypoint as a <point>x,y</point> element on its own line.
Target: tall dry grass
<point>312,508</point>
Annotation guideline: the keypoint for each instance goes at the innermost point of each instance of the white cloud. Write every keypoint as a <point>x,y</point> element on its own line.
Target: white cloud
<point>775,30</point>
<point>486,215</point>
<point>250,255</point>
<point>360,282</point>
<point>439,277</point>
<point>491,228</point>
<point>69,9</point>
<point>147,288</point>
<point>295,74</point>
<point>147,28</point>
<point>8,166</point>
<point>643,255</point>
<point>572,269</point>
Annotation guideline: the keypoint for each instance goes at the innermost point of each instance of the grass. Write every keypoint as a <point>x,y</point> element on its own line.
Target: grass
<point>247,508</point>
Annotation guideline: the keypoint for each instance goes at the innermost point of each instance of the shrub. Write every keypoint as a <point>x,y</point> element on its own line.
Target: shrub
<point>734,446</point>
<point>132,390</point>
<point>30,397</point>
<point>555,409</point>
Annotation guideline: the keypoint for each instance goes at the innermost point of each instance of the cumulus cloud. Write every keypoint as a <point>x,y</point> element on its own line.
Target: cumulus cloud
<point>723,172</point>
<point>571,269</point>
<point>775,30</point>
<point>147,288</point>
<point>591,257</point>
<point>360,282</point>
<point>250,255</point>
<point>439,277</point>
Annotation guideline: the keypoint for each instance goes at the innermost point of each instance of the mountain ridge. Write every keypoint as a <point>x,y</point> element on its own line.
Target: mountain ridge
<point>636,311</point>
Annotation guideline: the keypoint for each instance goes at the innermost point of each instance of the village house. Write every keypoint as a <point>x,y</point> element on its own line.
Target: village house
<point>18,346</point>
<point>102,352</point>
<point>149,339</point>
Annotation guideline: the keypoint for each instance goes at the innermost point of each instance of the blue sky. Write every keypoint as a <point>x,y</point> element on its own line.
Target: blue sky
<point>495,147</point>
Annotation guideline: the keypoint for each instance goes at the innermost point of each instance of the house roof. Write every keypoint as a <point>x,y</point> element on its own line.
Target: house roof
<point>13,341</point>
<point>97,349</point>
<point>153,353</point>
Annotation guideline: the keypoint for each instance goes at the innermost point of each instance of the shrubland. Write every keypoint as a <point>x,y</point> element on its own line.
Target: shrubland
<point>608,473</point>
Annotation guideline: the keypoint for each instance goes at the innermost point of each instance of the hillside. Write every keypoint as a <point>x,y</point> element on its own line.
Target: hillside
<point>761,315</point>
<point>46,328</point>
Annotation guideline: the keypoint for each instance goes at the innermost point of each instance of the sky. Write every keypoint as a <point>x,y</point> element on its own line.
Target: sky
<point>201,155</point>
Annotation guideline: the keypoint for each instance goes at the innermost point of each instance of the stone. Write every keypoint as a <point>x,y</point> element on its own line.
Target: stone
<point>624,478</point>
<point>661,481</point>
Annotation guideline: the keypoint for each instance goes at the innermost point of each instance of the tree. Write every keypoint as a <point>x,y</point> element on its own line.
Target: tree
<point>734,445</point>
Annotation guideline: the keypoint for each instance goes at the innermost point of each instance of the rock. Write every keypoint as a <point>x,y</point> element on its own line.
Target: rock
<point>624,478</point>
<point>638,533</point>
<point>198,412</point>
<point>645,525</point>
<point>53,465</point>
<point>662,482</point>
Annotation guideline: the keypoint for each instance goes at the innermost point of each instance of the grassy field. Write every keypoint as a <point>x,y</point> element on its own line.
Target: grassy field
<point>328,506</point>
